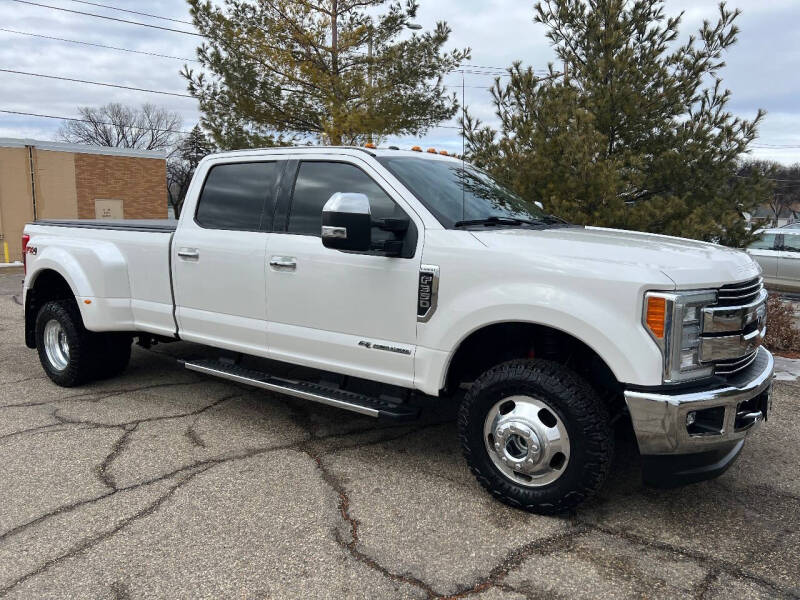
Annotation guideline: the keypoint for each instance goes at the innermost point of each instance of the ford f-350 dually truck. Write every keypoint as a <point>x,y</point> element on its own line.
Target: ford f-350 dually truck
<point>396,277</point>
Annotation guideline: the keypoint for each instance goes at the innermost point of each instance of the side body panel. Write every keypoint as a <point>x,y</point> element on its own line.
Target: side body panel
<point>345,312</point>
<point>479,287</point>
<point>220,294</point>
<point>124,275</point>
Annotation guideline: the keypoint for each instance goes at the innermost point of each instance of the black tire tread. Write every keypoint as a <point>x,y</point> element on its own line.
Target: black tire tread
<point>590,416</point>
<point>82,347</point>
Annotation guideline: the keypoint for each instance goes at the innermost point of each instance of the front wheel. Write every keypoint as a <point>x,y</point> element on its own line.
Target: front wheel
<point>536,435</point>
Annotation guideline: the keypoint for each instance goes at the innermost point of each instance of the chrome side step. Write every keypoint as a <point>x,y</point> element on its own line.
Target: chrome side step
<point>359,403</point>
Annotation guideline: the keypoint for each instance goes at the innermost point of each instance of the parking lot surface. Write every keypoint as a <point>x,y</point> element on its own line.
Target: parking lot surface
<point>165,483</point>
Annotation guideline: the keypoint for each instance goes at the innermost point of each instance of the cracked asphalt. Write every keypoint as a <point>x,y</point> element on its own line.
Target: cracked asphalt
<point>165,483</point>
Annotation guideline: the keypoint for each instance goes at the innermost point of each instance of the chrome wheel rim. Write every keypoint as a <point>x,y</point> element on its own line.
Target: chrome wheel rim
<point>527,441</point>
<point>56,346</point>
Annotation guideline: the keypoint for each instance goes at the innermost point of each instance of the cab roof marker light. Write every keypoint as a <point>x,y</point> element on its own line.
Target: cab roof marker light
<point>431,150</point>
<point>416,149</point>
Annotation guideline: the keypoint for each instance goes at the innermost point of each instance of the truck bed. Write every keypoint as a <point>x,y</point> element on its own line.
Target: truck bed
<point>149,225</point>
<point>121,267</point>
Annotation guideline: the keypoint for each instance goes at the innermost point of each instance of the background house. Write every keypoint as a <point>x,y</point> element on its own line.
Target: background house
<point>51,180</point>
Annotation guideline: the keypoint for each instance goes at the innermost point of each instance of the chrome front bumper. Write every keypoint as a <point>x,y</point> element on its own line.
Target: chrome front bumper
<point>660,418</point>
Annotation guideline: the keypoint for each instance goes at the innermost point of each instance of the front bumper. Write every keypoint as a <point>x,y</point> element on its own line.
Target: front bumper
<point>705,444</point>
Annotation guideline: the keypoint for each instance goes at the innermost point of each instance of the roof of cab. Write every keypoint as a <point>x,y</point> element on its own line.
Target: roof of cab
<point>346,150</point>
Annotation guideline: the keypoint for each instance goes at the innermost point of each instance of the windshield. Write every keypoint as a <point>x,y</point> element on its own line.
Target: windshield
<point>455,194</point>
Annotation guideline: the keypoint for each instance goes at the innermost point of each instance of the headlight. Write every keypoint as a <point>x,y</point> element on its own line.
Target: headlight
<point>674,321</point>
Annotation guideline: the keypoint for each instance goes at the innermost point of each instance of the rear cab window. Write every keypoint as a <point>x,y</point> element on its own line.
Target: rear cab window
<point>238,196</point>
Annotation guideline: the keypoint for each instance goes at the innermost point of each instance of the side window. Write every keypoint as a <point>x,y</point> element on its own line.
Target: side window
<point>238,196</point>
<point>791,243</point>
<point>318,181</point>
<point>767,242</point>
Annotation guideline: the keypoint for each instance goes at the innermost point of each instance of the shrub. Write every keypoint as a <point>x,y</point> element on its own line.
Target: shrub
<point>783,334</point>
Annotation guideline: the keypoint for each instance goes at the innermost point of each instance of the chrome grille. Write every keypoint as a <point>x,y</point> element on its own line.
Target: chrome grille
<point>739,309</point>
<point>728,367</point>
<point>736,294</point>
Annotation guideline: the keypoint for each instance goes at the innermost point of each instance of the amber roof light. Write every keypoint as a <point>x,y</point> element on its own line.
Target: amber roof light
<point>370,145</point>
<point>431,150</point>
<point>416,149</point>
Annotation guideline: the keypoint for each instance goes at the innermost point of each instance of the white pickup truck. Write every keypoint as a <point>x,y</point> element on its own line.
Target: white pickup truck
<point>396,277</point>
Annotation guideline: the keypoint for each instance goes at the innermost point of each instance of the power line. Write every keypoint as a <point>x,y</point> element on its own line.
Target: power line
<point>84,43</point>
<point>28,114</point>
<point>80,12</point>
<point>49,37</point>
<point>113,85</point>
<point>133,12</point>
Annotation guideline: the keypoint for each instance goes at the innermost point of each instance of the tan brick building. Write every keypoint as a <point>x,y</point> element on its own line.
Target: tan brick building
<point>51,180</point>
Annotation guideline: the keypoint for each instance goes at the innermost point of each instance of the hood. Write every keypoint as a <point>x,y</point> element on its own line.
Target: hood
<point>688,263</point>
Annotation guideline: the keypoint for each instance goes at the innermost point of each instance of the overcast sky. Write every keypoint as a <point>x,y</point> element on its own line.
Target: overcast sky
<point>762,69</point>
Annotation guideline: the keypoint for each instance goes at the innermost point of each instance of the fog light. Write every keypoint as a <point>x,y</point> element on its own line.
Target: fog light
<point>690,418</point>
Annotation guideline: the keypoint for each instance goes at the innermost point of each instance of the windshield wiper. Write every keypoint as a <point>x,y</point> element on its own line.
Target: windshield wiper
<point>490,221</point>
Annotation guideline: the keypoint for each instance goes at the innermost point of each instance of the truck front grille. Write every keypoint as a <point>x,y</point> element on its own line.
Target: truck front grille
<point>737,294</point>
<point>737,315</point>
<point>729,367</point>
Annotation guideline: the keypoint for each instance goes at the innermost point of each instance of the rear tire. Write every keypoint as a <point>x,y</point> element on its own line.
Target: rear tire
<point>536,436</point>
<point>66,348</point>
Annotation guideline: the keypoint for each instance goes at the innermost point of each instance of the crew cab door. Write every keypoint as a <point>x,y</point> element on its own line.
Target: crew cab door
<point>346,312</point>
<point>218,257</point>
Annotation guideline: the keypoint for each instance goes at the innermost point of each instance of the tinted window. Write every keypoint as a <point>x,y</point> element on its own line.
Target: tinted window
<point>238,196</point>
<point>767,242</point>
<point>791,243</point>
<point>318,181</point>
<point>455,192</point>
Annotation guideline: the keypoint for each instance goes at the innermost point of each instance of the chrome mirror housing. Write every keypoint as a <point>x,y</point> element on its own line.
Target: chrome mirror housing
<point>347,222</point>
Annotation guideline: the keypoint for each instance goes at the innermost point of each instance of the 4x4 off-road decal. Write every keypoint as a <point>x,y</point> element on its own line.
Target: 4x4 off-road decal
<point>428,292</point>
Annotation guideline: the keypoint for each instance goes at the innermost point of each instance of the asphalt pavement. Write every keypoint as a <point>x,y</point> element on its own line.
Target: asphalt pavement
<point>165,483</point>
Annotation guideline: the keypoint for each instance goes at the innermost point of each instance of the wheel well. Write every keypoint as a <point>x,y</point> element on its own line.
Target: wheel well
<point>501,342</point>
<point>49,285</point>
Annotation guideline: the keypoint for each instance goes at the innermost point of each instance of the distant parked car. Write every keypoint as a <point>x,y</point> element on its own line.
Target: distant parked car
<point>778,253</point>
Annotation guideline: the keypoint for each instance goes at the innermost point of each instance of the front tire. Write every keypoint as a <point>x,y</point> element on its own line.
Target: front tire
<point>536,436</point>
<point>66,348</point>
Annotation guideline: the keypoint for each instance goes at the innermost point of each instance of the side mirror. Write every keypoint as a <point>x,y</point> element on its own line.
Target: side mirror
<point>347,222</point>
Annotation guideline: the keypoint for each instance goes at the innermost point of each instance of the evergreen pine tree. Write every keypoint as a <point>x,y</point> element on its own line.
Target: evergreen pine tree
<point>635,133</point>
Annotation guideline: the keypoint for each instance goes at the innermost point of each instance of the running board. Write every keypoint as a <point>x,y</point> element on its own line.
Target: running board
<point>365,405</point>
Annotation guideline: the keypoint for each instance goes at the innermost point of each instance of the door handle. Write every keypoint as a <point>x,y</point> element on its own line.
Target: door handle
<point>189,253</point>
<point>283,263</point>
